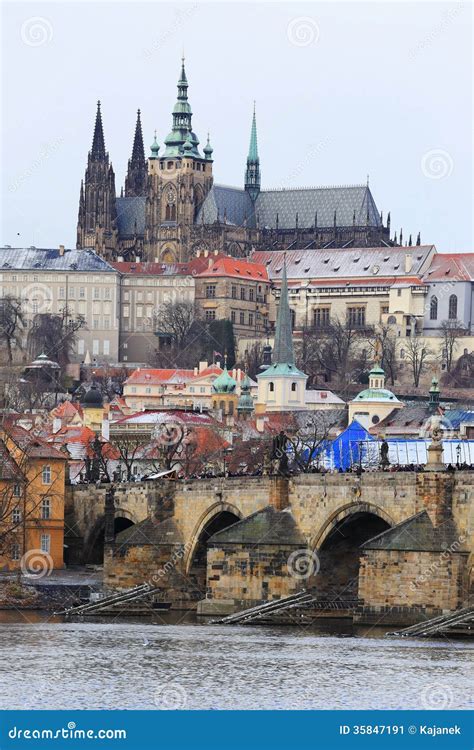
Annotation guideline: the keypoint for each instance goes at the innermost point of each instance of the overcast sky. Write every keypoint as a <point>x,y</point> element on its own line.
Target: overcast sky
<point>343,90</point>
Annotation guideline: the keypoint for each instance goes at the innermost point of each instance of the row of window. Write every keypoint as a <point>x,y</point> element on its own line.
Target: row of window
<point>45,511</point>
<point>45,546</point>
<point>452,307</point>
<point>95,346</point>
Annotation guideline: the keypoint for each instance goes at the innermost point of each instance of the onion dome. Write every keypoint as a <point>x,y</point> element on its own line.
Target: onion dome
<point>188,145</point>
<point>208,149</point>
<point>92,399</point>
<point>155,148</point>
<point>245,403</point>
<point>224,383</point>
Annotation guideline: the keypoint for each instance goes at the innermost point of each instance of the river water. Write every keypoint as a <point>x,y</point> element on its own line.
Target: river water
<point>47,663</point>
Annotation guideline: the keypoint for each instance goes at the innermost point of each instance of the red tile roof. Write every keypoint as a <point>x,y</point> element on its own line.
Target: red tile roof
<point>32,445</point>
<point>237,269</point>
<point>149,268</point>
<point>451,267</point>
<point>147,375</point>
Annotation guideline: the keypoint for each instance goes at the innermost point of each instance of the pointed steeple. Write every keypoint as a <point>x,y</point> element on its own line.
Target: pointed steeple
<point>136,179</point>
<point>252,173</point>
<point>98,143</point>
<point>182,121</point>
<point>283,352</point>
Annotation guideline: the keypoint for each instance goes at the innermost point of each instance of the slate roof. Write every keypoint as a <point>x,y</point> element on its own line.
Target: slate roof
<point>415,534</point>
<point>42,259</point>
<point>345,200</point>
<point>129,211</point>
<point>150,532</point>
<point>267,526</point>
<point>372,263</point>
<point>9,469</point>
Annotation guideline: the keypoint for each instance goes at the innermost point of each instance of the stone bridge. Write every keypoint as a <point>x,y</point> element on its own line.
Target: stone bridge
<point>186,535</point>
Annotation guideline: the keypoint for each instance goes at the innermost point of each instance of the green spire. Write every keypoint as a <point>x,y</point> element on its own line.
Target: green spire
<point>208,149</point>
<point>283,352</point>
<point>182,125</point>
<point>154,148</point>
<point>245,403</point>
<point>252,173</point>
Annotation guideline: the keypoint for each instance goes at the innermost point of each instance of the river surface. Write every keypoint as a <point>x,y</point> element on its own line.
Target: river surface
<point>47,663</point>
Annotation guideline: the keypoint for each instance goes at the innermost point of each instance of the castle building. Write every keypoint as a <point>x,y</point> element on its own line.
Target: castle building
<point>171,208</point>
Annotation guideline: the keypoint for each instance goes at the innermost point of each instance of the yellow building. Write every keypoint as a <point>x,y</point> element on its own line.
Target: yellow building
<point>32,492</point>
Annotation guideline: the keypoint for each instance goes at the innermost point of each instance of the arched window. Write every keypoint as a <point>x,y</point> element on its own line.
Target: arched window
<point>271,387</point>
<point>434,308</point>
<point>453,307</point>
<point>294,388</point>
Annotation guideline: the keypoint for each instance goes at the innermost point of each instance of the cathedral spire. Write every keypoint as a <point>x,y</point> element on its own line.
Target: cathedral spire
<point>136,179</point>
<point>252,173</point>
<point>283,352</point>
<point>182,125</point>
<point>98,143</point>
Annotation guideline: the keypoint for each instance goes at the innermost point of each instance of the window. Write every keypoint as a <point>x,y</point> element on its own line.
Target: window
<point>294,388</point>
<point>45,543</point>
<point>80,346</point>
<point>96,293</point>
<point>147,390</point>
<point>15,551</point>
<point>242,292</point>
<point>232,316</point>
<point>242,319</point>
<point>250,319</point>
<point>399,292</point>
<point>95,346</point>
<point>271,387</point>
<point>210,314</point>
<point>106,347</point>
<point>107,293</point>
<point>45,508</point>
<point>106,323</point>
<point>16,515</point>
<point>434,308</point>
<point>96,323</point>
<point>82,292</point>
<point>46,475</point>
<point>321,317</point>
<point>62,292</point>
<point>202,389</point>
<point>384,310</point>
<point>139,311</point>
<point>251,295</point>
<point>402,353</point>
<point>234,292</point>
<point>126,311</point>
<point>126,296</point>
<point>139,297</point>
<point>210,291</point>
<point>356,316</point>
<point>17,490</point>
<point>72,292</point>
<point>293,318</point>
<point>453,307</point>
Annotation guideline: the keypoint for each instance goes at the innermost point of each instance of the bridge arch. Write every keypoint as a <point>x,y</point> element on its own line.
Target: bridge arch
<point>343,512</point>
<point>338,543</point>
<point>94,542</point>
<point>217,517</point>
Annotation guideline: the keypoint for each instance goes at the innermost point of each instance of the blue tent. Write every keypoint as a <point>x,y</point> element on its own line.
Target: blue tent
<point>348,448</point>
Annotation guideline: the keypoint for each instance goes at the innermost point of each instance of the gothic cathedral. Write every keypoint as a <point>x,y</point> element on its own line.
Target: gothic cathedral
<point>171,208</point>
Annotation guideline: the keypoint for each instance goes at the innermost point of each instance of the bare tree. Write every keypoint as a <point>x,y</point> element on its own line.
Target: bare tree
<point>12,323</point>
<point>129,446</point>
<point>54,335</point>
<point>417,355</point>
<point>308,441</point>
<point>175,320</point>
<point>330,351</point>
<point>383,343</point>
<point>252,360</point>
<point>452,331</point>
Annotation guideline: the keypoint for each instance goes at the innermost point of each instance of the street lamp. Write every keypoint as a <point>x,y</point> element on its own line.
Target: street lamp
<point>224,454</point>
<point>458,455</point>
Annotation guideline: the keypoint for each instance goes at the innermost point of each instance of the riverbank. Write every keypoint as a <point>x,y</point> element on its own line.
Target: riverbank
<point>58,590</point>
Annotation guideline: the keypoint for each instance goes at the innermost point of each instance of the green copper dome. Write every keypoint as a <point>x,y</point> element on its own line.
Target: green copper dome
<point>155,148</point>
<point>245,400</point>
<point>224,383</point>
<point>208,148</point>
<point>376,394</point>
<point>376,370</point>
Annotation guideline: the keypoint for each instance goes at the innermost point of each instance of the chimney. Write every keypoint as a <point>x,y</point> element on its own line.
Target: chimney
<point>408,262</point>
<point>202,366</point>
<point>106,428</point>
<point>120,259</point>
<point>61,251</point>
<point>195,371</point>
<point>56,425</point>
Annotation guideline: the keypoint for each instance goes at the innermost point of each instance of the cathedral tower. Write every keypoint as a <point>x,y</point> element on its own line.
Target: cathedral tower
<point>136,179</point>
<point>96,226</point>
<point>252,173</point>
<point>179,180</point>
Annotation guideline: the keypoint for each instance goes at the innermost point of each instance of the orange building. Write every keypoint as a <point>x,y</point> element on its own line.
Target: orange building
<point>32,492</point>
